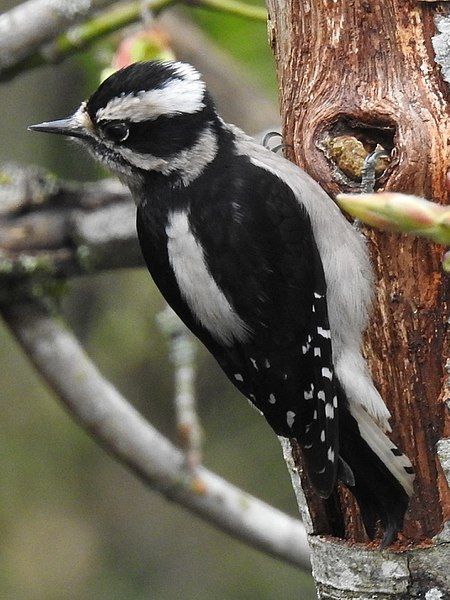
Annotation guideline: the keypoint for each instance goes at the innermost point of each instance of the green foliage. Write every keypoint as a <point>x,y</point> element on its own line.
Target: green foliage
<point>243,39</point>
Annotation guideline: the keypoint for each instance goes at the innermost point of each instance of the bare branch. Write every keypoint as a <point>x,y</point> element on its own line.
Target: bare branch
<point>24,28</point>
<point>84,34</point>
<point>235,7</point>
<point>64,228</point>
<point>123,432</point>
<point>182,355</point>
<point>30,34</point>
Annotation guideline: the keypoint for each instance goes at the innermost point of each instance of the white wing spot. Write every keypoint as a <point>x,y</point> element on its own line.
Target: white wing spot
<point>326,372</point>
<point>315,415</point>
<point>307,446</point>
<point>321,395</point>
<point>272,399</point>
<point>317,352</point>
<point>267,363</point>
<point>308,395</point>
<point>313,308</point>
<point>335,402</point>
<point>309,339</point>
<point>329,411</point>
<point>285,376</point>
<point>252,397</point>
<point>324,332</point>
<point>316,295</point>
<point>330,454</point>
<point>254,363</point>
<point>290,416</point>
<point>322,435</point>
<point>238,377</point>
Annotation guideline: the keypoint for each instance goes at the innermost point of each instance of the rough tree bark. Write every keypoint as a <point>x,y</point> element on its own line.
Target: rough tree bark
<point>352,75</point>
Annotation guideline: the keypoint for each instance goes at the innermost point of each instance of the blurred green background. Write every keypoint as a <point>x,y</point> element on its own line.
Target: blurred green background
<point>74,524</point>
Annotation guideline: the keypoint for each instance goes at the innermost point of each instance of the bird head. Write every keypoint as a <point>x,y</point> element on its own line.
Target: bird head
<point>148,117</point>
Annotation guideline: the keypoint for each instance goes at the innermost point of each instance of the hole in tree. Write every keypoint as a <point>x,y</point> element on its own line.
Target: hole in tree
<point>347,143</point>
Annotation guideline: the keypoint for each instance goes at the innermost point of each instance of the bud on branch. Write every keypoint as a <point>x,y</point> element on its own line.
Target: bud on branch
<point>401,212</point>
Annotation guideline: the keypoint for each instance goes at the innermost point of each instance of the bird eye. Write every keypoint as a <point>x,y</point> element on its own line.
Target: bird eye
<point>116,132</point>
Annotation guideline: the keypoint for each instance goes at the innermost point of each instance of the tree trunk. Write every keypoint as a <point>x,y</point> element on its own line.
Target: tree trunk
<point>355,74</point>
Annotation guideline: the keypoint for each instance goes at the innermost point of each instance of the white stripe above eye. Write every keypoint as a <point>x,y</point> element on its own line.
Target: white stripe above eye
<point>185,70</point>
<point>197,286</point>
<point>177,96</point>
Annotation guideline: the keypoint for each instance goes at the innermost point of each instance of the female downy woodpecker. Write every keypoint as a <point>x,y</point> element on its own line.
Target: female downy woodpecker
<point>260,264</point>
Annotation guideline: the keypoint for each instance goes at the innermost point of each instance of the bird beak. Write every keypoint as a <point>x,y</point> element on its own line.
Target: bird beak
<point>70,127</point>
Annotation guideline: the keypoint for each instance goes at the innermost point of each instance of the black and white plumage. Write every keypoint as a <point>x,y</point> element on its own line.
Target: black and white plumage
<point>260,264</point>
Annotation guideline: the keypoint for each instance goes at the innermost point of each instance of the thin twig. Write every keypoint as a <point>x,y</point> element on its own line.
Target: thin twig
<point>182,356</point>
<point>124,433</point>
<point>108,21</point>
<point>235,7</point>
<point>25,49</point>
<point>83,35</point>
<point>368,174</point>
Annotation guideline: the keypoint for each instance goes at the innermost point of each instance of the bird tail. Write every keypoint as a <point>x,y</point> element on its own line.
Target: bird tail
<point>381,476</point>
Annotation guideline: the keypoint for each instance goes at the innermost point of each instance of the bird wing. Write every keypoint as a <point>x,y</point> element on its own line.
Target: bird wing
<point>260,249</point>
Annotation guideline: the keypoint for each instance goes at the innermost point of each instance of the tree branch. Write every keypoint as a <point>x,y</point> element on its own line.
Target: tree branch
<point>62,229</point>
<point>123,432</point>
<point>24,28</point>
<point>25,43</point>
<point>182,355</point>
<point>234,7</point>
<point>324,99</point>
<point>85,34</point>
<point>406,213</point>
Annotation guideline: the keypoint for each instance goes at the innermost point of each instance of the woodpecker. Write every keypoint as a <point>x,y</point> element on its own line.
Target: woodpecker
<point>259,263</point>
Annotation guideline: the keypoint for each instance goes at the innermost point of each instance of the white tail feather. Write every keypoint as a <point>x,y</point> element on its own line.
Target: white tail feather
<point>382,446</point>
<point>355,379</point>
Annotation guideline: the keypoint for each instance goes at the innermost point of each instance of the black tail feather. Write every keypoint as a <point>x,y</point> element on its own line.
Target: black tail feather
<point>345,474</point>
<point>380,496</point>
